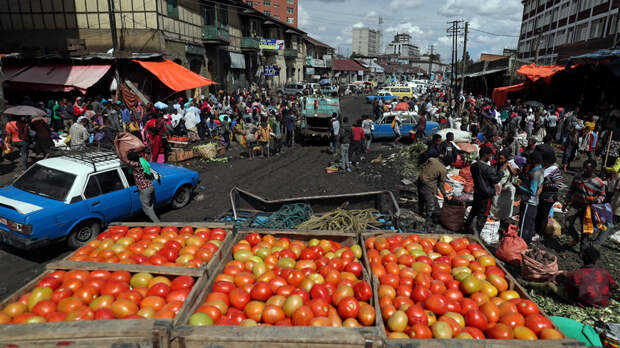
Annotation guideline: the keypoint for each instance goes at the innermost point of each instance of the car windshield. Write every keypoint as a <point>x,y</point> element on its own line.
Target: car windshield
<point>46,182</point>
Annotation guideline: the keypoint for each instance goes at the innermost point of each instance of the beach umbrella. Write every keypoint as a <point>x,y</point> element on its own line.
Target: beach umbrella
<point>161,105</point>
<point>25,110</point>
<point>402,106</point>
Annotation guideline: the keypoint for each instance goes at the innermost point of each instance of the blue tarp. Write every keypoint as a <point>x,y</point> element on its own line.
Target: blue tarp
<point>597,55</point>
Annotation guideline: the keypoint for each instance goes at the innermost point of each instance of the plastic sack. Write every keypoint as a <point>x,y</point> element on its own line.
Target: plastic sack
<point>535,270</point>
<point>125,142</point>
<point>553,228</point>
<point>511,247</point>
<point>490,232</point>
<point>453,216</point>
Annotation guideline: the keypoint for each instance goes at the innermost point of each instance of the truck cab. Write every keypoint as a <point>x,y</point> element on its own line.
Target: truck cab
<point>316,116</point>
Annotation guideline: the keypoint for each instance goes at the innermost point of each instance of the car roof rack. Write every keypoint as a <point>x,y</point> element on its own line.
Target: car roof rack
<point>92,156</point>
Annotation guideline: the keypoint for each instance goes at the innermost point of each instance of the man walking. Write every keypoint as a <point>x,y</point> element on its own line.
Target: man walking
<point>368,126</point>
<point>530,189</point>
<point>485,178</point>
<point>448,150</point>
<point>431,178</point>
<point>18,135</point>
<point>346,134</point>
<point>141,171</point>
<point>79,133</point>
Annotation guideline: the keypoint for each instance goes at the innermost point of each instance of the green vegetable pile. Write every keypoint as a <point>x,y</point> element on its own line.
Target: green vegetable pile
<point>410,158</point>
<point>588,315</point>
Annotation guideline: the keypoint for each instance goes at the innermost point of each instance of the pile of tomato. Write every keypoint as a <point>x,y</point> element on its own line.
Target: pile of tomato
<point>282,282</point>
<point>153,245</point>
<point>99,295</point>
<point>449,288</point>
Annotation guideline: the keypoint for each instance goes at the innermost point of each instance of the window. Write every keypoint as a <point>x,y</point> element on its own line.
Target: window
<point>268,13</point>
<point>223,15</point>
<point>564,10</point>
<point>596,28</point>
<point>290,20</point>
<point>92,188</point>
<point>131,181</point>
<point>103,183</point>
<point>267,3</point>
<point>585,4</point>
<point>290,1</point>
<point>46,182</point>
<point>581,32</point>
<point>290,10</point>
<point>173,8</point>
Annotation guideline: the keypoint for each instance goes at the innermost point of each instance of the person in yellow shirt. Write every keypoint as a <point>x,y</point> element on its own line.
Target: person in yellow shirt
<point>264,136</point>
<point>590,124</point>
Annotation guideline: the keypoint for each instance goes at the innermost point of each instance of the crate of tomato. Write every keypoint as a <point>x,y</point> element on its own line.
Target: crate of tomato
<point>175,248</point>
<point>84,308</point>
<point>450,287</point>
<point>285,288</point>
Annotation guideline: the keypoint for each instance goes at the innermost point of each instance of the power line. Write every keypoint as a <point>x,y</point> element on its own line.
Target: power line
<point>494,34</point>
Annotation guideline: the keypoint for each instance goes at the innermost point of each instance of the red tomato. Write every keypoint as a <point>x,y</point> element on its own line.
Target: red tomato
<point>499,331</point>
<point>44,308</point>
<point>261,291</point>
<point>527,307</point>
<point>348,307</point>
<point>239,298</point>
<point>320,291</point>
<point>436,304</point>
<point>420,293</point>
<point>223,286</point>
<point>272,314</point>
<point>537,323</point>
<point>475,318</point>
<point>114,288</point>
<point>61,293</point>
<point>453,306</point>
<point>49,282</point>
<point>181,282</point>
<point>303,316</point>
<point>512,320</point>
<point>121,276</point>
<point>320,307</point>
<point>305,295</point>
<point>253,238</point>
<point>100,274</point>
<point>467,304</point>
<point>453,295</point>
<point>178,295</point>
<point>437,287</point>
<point>474,332</point>
<point>362,290</point>
<point>218,234</point>
<point>355,268</point>
<point>421,331</point>
<point>416,315</point>
<point>168,253</point>
<point>159,289</point>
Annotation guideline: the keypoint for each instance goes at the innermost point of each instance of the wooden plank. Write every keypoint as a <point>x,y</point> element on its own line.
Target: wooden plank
<point>188,337</point>
<point>91,266</point>
<point>513,285</point>
<point>175,224</point>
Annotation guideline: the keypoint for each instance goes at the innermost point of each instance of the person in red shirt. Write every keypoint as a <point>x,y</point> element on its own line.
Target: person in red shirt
<point>356,142</point>
<point>18,136</point>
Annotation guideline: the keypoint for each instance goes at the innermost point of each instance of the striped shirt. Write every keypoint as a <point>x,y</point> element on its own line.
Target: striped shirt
<point>551,184</point>
<point>586,191</point>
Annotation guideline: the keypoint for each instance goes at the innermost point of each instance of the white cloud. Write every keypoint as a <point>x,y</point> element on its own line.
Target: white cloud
<point>404,4</point>
<point>322,29</point>
<point>358,25</point>
<point>371,14</point>
<point>406,28</point>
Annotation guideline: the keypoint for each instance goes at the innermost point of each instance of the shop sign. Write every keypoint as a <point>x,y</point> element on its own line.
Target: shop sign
<point>271,44</point>
<point>271,70</point>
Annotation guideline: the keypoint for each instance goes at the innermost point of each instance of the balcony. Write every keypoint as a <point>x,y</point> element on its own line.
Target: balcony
<point>218,34</point>
<point>249,43</point>
<point>290,53</point>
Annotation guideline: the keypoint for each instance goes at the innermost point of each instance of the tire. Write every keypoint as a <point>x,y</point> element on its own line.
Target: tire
<point>181,197</point>
<point>83,233</point>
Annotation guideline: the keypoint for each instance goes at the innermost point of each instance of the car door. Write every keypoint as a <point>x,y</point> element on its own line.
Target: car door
<point>408,124</point>
<point>134,193</point>
<point>383,129</point>
<point>105,194</point>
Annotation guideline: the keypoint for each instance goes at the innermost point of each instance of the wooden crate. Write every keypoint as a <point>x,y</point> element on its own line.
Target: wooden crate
<point>440,343</point>
<point>268,337</point>
<point>137,333</point>
<point>196,272</point>
<point>180,155</point>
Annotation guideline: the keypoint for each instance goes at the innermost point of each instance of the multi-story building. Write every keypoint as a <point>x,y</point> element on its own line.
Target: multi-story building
<point>553,30</point>
<point>283,10</point>
<point>366,42</point>
<point>319,59</point>
<point>401,46</point>
<point>227,41</point>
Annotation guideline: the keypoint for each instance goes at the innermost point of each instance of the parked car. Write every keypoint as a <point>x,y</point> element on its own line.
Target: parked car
<point>73,197</point>
<point>329,90</point>
<point>383,95</point>
<point>383,126</point>
<point>292,89</point>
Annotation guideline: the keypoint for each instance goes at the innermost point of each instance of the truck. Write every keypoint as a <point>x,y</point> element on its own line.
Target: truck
<point>316,115</point>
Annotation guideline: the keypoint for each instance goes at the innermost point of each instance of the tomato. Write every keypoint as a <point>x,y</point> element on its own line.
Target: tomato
<point>76,274</point>
<point>436,303</point>
<point>455,326</point>
<point>551,334</point>
<point>178,295</point>
<point>253,238</point>
<point>261,291</point>
<point>453,295</point>
<point>474,332</point>
<point>491,311</point>
<point>512,320</point>
<point>114,288</point>
<point>181,282</point>
<point>499,331</point>
<point>285,290</point>
<point>523,333</point>
<point>397,322</point>
<point>218,234</point>
<point>366,314</point>
<point>86,294</point>
<point>44,308</point>
<point>416,315</point>
<point>61,293</point>
<point>121,276</point>
<point>303,316</point>
<point>321,291</point>
<point>475,318</point>
<point>223,286</point>
<point>291,304</point>
<point>276,283</point>
<point>211,311</point>
<point>272,314</point>
<point>123,308</point>
<point>441,329</point>
<point>348,307</point>
<point>420,293</point>
<point>49,282</point>
<point>56,317</point>
<point>305,295</point>
<point>355,268</point>
<point>437,287</point>
<point>421,331</point>
<point>537,323</point>
<point>159,289</point>
<point>340,293</point>
<point>68,304</point>
<point>527,307</point>
<point>507,308</point>
<point>319,307</point>
<point>239,298</point>
<point>362,291</point>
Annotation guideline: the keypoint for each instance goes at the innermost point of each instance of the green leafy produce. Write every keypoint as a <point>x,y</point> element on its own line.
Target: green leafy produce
<point>587,315</point>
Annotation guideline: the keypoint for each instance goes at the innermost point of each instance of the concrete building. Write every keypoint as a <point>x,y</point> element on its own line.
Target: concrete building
<point>562,28</point>
<point>282,10</point>
<point>366,42</point>
<point>218,39</point>
<point>319,60</point>
<point>403,47</point>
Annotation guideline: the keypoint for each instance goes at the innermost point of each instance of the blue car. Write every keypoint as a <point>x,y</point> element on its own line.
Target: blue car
<point>383,127</point>
<point>73,197</point>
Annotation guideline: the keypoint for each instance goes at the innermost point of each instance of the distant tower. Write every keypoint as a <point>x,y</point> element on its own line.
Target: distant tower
<point>380,50</point>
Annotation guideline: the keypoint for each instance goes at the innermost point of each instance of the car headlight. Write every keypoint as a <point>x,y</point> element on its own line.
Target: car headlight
<point>19,228</point>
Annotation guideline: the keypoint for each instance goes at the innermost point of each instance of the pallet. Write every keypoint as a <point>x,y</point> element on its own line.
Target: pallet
<point>186,336</point>
<point>207,269</point>
<point>441,343</point>
<point>139,333</point>
<point>180,155</point>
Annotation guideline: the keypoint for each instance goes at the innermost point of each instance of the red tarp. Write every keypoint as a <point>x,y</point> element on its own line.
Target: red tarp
<point>535,73</point>
<point>500,95</point>
<point>60,77</point>
<point>173,75</point>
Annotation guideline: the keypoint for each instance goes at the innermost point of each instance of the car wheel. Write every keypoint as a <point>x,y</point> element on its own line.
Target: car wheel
<point>181,197</point>
<point>83,233</point>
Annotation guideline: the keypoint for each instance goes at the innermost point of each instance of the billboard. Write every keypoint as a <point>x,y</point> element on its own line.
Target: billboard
<point>271,70</point>
<point>271,44</point>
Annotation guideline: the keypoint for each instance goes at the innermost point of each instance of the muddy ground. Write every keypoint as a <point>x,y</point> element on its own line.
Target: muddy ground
<point>298,171</point>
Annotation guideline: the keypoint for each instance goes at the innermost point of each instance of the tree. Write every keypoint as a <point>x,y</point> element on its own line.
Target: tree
<point>356,55</point>
<point>468,60</point>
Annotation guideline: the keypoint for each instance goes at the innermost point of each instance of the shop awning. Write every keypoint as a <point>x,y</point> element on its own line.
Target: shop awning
<point>173,75</point>
<point>237,60</point>
<point>535,73</point>
<point>500,94</point>
<point>60,77</point>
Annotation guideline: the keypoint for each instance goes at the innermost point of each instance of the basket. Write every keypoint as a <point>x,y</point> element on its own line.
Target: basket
<point>208,151</point>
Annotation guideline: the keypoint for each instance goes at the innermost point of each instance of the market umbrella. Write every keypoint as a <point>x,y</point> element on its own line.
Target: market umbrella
<point>325,82</point>
<point>402,106</point>
<point>25,110</point>
<point>161,105</point>
<point>534,104</point>
<point>357,83</point>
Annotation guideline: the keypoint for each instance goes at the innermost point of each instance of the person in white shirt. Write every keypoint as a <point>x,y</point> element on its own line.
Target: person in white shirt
<point>368,126</point>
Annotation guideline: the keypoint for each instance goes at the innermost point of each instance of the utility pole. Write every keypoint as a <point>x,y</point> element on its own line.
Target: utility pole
<point>115,53</point>
<point>430,61</point>
<point>454,31</point>
<point>464,67</point>
<point>537,49</point>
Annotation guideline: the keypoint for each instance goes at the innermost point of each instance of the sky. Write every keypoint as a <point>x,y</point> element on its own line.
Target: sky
<point>331,21</point>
